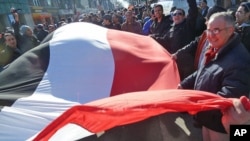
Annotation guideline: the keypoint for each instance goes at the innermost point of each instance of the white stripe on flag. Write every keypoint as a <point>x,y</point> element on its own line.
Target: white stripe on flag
<point>80,70</point>
<point>86,59</point>
<point>30,115</point>
<point>76,133</point>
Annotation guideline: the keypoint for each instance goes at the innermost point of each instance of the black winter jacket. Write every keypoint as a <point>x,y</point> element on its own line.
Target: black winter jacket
<point>244,32</point>
<point>227,75</point>
<point>180,35</point>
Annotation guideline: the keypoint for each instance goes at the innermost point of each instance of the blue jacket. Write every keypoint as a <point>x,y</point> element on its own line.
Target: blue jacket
<point>146,27</point>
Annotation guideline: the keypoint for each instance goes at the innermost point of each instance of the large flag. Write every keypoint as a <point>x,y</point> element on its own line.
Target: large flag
<point>78,63</point>
<point>101,115</point>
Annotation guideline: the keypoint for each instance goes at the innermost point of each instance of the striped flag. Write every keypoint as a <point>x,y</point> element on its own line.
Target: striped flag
<point>101,115</point>
<point>78,63</point>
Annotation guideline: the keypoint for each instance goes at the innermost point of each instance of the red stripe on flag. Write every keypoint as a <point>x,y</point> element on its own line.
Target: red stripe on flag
<point>107,113</point>
<point>140,64</point>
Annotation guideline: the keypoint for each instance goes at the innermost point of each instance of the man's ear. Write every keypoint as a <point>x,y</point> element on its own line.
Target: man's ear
<point>232,29</point>
<point>248,15</point>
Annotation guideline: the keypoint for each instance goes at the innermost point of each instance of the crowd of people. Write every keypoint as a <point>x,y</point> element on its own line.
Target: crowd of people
<point>209,44</point>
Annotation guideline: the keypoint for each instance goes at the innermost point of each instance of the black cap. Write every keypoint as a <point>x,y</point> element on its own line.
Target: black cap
<point>246,5</point>
<point>152,11</point>
<point>107,17</point>
<point>214,9</point>
<point>205,1</point>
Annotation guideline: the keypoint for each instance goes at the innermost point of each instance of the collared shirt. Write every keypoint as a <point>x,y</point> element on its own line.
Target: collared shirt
<point>202,55</point>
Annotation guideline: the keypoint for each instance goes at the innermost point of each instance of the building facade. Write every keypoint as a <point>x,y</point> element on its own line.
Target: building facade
<point>6,16</point>
<point>32,12</point>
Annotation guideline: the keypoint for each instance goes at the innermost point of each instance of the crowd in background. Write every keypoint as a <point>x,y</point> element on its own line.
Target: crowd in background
<point>145,21</point>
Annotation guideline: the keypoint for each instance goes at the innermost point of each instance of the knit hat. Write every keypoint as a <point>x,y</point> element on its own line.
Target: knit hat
<point>23,29</point>
<point>40,26</point>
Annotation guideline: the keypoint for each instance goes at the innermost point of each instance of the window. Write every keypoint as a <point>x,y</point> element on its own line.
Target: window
<point>36,3</point>
<point>31,2</point>
<point>49,3</point>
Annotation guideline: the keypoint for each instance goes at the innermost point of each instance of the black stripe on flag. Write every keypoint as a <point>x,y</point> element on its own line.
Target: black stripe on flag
<point>21,77</point>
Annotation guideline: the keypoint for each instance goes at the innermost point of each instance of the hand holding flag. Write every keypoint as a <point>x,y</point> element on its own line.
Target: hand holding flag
<point>239,113</point>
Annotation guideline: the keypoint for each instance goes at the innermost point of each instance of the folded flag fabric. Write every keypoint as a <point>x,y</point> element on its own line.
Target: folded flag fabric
<point>78,63</point>
<point>104,114</point>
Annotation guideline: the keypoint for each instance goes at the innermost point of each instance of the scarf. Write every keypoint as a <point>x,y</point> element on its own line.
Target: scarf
<point>210,54</point>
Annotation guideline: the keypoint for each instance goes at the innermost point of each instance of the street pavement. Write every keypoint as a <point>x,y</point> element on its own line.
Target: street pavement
<point>166,127</point>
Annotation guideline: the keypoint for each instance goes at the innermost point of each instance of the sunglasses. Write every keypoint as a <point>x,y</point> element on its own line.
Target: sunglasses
<point>177,14</point>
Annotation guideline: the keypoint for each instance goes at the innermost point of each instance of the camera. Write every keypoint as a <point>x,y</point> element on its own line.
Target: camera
<point>13,10</point>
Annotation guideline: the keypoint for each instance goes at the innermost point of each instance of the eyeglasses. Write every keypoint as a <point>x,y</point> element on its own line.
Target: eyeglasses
<point>177,14</point>
<point>216,30</point>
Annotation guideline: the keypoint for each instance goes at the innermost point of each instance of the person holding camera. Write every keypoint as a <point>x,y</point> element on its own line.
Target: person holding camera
<point>26,40</point>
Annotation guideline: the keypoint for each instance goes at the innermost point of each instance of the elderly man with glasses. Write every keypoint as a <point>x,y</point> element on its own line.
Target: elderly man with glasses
<point>224,71</point>
<point>197,46</point>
